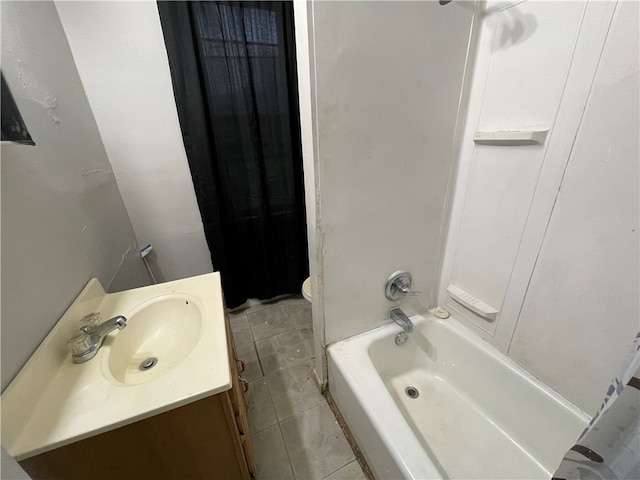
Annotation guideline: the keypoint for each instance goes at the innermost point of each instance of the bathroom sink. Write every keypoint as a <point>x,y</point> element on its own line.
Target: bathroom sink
<point>176,331</point>
<point>159,335</point>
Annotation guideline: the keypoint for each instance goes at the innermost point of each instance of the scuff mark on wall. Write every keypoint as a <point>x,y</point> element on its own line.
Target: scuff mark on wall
<point>97,171</point>
<point>126,253</point>
<point>20,74</point>
<point>49,102</point>
<point>97,176</point>
<point>123,258</point>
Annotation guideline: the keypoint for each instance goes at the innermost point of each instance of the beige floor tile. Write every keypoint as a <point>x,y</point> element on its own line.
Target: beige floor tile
<point>237,316</point>
<point>281,351</point>
<point>272,462</point>
<point>316,445</point>
<point>269,321</point>
<point>260,406</point>
<point>241,331</point>
<point>300,315</point>
<point>294,300</point>
<point>307,339</point>
<point>351,471</point>
<point>294,390</point>
<point>256,306</point>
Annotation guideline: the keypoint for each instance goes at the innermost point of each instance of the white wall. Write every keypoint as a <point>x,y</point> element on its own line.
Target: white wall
<point>304,57</point>
<point>386,82</point>
<point>120,54</point>
<point>536,67</point>
<point>63,219</point>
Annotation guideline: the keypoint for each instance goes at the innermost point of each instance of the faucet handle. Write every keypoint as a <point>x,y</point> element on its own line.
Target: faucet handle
<point>91,320</point>
<point>406,291</point>
<point>399,285</point>
<point>79,344</point>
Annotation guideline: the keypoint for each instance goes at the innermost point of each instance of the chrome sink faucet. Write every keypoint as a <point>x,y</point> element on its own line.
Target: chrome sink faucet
<point>85,346</point>
<point>401,319</point>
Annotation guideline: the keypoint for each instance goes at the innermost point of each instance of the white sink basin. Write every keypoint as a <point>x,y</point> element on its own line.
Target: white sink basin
<point>159,335</point>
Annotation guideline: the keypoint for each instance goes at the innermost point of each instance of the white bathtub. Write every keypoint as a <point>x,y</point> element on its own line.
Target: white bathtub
<point>478,414</point>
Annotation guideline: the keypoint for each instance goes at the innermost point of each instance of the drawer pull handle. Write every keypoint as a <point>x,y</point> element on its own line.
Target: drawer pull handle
<point>243,366</point>
<point>245,385</point>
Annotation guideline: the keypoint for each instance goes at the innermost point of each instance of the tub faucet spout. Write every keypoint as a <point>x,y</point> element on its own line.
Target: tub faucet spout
<point>401,319</point>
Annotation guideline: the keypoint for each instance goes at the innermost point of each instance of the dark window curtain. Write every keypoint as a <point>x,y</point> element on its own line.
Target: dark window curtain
<point>234,78</point>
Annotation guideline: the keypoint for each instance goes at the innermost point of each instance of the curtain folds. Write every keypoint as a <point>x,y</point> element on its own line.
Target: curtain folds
<point>234,79</point>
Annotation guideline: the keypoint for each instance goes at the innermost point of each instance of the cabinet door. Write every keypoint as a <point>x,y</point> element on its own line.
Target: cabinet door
<point>237,401</point>
<point>198,441</point>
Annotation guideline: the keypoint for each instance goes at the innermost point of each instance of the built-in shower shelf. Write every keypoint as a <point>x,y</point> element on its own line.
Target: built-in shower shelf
<point>511,137</point>
<point>472,303</point>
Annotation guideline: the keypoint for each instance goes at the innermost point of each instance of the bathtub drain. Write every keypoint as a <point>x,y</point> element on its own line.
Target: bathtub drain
<point>412,392</point>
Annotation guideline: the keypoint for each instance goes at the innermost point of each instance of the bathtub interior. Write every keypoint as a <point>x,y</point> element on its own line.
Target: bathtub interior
<point>477,415</point>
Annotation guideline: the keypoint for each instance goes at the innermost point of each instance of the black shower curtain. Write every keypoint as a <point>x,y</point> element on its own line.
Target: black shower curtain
<point>234,78</point>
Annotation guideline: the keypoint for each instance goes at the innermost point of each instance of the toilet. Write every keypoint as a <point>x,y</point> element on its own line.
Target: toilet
<point>306,289</point>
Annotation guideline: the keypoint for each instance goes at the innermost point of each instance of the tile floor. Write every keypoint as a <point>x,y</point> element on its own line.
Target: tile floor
<point>294,432</point>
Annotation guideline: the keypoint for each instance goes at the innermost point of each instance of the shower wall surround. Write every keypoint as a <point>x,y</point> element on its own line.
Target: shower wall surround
<point>582,306</point>
<point>548,235</point>
<point>515,88</point>
<point>386,80</point>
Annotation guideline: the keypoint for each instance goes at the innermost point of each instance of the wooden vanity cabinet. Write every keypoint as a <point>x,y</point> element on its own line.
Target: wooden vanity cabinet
<point>206,439</point>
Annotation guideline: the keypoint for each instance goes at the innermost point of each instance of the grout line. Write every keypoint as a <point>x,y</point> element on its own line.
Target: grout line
<point>286,449</point>
<point>345,465</point>
<point>259,309</point>
<point>295,364</point>
<point>238,314</point>
<point>325,402</point>
<point>264,380</point>
<point>291,304</point>
<point>271,336</point>
<point>264,376</point>
<point>255,349</point>
<point>322,402</point>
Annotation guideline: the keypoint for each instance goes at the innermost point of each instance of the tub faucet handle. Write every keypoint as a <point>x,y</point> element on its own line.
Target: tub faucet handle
<point>399,285</point>
<point>406,291</point>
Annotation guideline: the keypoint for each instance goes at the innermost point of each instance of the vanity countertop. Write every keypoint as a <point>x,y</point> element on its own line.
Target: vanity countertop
<point>53,402</point>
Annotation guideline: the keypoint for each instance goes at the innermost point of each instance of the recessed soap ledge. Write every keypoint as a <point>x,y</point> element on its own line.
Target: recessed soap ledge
<point>511,138</point>
<point>53,402</point>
